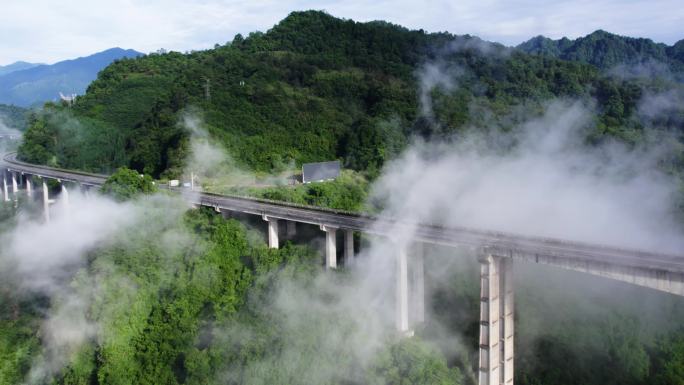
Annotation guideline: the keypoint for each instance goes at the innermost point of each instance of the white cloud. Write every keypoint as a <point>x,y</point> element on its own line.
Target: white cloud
<point>47,31</point>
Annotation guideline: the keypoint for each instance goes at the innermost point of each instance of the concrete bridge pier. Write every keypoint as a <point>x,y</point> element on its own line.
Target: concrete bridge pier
<point>5,190</point>
<point>496,320</point>
<point>15,187</point>
<point>29,184</point>
<point>46,201</point>
<point>330,246</point>
<point>417,284</point>
<point>65,195</point>
<point>85,189</point>
<point>348,247</point>
<point>291,229</point>
<point>272,232</point>
<point>402,292</point>
<point>410,288</point>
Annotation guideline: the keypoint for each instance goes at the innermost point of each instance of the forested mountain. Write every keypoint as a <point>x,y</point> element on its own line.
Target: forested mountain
<point>40,83</point>
<point>606,50</point>
<point>314,88</point>
<point>13,117</point>
<point>16,66</point>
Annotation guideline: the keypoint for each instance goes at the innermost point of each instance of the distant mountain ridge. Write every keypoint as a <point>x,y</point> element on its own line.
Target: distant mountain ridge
<point>41,83</point>
<point>17,66</point>
<point>606,50</point>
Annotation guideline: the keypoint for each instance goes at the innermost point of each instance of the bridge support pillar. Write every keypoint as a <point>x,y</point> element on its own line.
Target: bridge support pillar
<point>29,184</point>
<point>330,246</point>
<point>348,247</point>
<point>417,284</point>
<point>291,229</point>
<point>402,293</point>
<point>46,202</point>
<point>86,191</point>
<point>65,195</point>
<point>496,321</point>
<point>4,186</point>
<point>272,232</point>
<point>15,186</point>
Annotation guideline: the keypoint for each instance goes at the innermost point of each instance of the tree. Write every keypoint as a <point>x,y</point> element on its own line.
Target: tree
<point>412,362</point>
<point>125,184</point>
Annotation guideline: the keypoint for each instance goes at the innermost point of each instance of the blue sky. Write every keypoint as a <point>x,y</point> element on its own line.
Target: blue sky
<point>53,30</point>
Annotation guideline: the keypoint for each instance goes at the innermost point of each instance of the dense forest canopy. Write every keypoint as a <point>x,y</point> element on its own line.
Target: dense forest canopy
<point>188,297</point>
<point>317,88</point>
<point>606,50</point>
<point>181,296</point>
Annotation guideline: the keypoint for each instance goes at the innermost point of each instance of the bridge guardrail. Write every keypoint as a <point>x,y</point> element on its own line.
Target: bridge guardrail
<point>489,238</point>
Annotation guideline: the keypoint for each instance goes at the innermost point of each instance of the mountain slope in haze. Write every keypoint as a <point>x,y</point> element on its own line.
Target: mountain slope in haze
<point>13,117</point>
<point>606,50</point>
<point>43,83</point>
<point>16,66</point>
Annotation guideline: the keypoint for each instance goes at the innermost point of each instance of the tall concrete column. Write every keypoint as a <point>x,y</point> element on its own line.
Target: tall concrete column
<point>29,185</point>
<point>272,232</point>
<point>402,293</point>
<point>15,187</point>
<point>507,334</point>
<point>46,202</point>
<point>496,321</point>
<point>417,286</point>
<point>330,246</point>
<point>65,195</point>
<point>4,187</point>
<point>291,229</point>
<point>348,247</point>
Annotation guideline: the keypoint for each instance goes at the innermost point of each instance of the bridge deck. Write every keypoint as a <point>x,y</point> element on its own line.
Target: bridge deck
<point>504,244</point>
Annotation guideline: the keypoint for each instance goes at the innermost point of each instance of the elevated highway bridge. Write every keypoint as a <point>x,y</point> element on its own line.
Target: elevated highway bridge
<point>497,252</point>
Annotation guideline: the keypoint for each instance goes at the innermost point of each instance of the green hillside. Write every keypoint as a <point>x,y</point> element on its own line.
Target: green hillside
<point>312,88</point>
<point>188,297</point>
<point>606,50</point>
<point>13,117</point>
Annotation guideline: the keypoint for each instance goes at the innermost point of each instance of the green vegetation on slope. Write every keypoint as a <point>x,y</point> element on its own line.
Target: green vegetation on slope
<point>312,88</point>
<point>606,50</point>
<point>126,184</point>
<point>196,301</point>
<point>13,117</point>
<point>348,192</point>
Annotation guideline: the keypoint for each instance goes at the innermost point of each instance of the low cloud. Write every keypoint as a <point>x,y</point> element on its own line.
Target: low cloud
<point>664,108</point>
<point>540,179</point>
<point>45,259</point>
<point>212,164</point>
